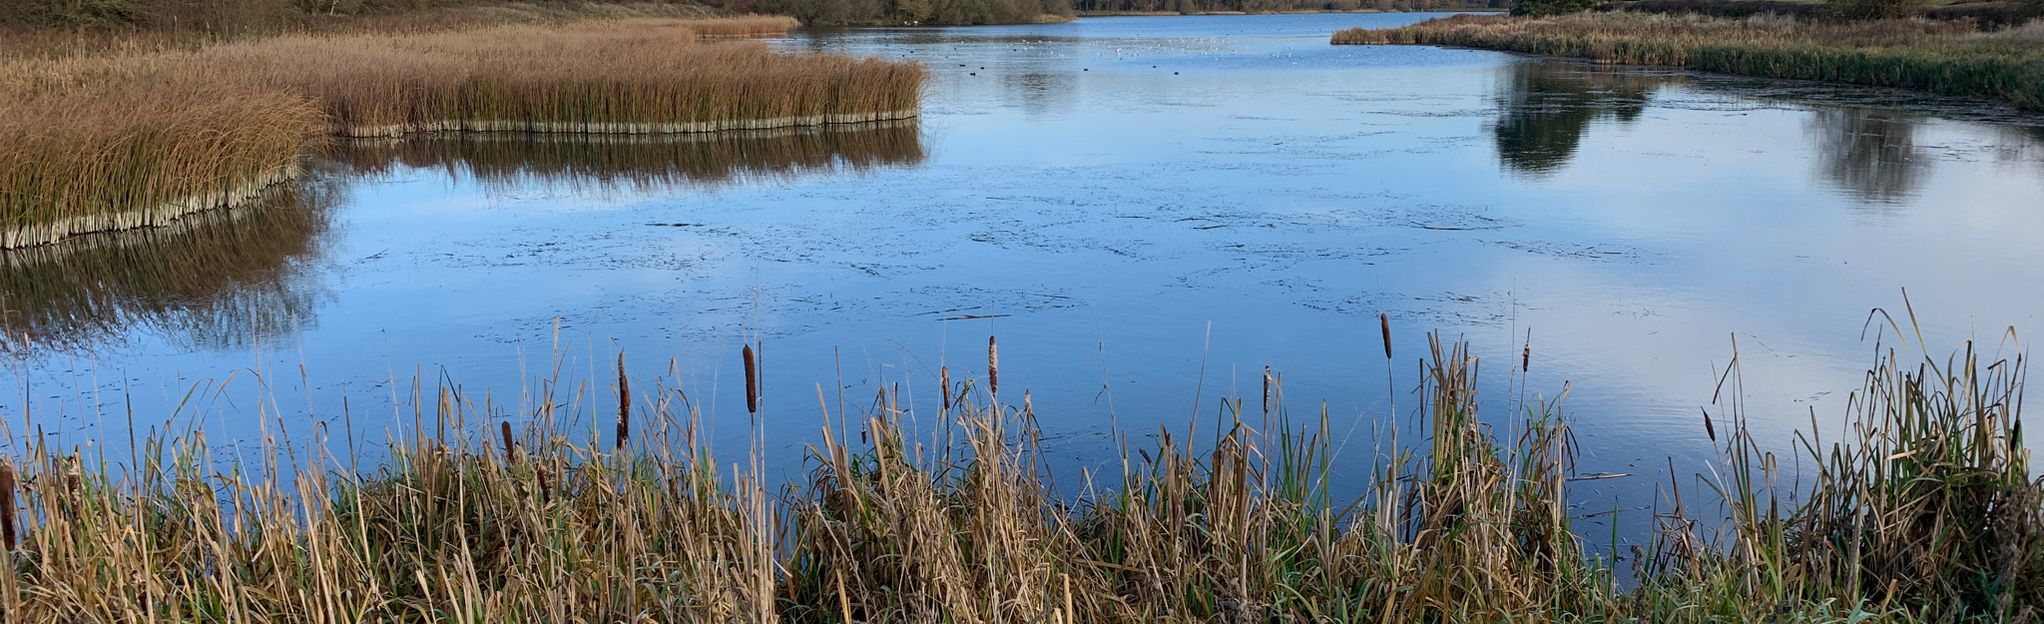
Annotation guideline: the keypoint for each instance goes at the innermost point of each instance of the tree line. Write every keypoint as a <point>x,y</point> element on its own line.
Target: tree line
<point>894,12</point>
<point>1271,6</point>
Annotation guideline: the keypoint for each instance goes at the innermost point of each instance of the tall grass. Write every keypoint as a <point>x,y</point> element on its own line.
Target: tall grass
<point>131,140</point>
<point>1944,57</point>
<point>1927,512</point>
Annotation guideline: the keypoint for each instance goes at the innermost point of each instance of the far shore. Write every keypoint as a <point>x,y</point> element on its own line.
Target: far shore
<point>1287,12</point>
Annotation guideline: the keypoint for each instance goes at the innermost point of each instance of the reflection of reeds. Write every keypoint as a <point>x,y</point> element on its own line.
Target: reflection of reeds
<point>637,161</point>
<point>1945,57</point>
<point>225,277</point>
<point>132,140</point>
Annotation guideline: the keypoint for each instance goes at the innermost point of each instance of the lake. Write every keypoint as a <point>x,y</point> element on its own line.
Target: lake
<point>1147,211</point>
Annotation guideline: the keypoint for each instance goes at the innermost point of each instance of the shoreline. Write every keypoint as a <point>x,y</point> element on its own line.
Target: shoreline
<point>1093,14</point>
<point>1950,59</point>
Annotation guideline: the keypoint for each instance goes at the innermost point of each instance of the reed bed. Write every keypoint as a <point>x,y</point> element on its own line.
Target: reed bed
<point>1953,57</point>
<point>197,129</point>
<point>1926,511</point>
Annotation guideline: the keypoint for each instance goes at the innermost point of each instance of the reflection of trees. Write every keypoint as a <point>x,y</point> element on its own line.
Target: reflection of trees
<point>1545,108</point>
<point>218,279</point>
<point>1042,91</point>
<point>1871,154</point>
<point>641,162</point>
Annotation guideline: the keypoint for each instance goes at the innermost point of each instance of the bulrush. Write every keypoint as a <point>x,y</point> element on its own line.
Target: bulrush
<point>7,505</point>
<point>624,403</point>
<point>751,379</point>
<point>993,366</point>
<point>510,447</point>
<point>1384,325</point>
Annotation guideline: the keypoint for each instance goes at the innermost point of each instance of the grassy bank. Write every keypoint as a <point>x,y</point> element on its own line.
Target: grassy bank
<point>127,140</point>
<point>1951,58</point>
<point>1927,510</point>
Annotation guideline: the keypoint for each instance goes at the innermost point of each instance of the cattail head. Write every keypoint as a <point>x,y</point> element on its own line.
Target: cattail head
<point>1526,357</point>
<point>944,380</point>
<point>624,403</point>
<point>510,448</point>
<point>7,505</point>
<point>1384,324</point>
<point>993,366</point>
<point>1709,430</point>
<point>751,380</point>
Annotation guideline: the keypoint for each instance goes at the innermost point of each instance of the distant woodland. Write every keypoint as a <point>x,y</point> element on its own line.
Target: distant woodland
<point>1272,6</point>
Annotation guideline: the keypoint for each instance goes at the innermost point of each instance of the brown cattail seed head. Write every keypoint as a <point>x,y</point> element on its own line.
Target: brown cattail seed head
<point>944,380</point>
<point>993,366</point>
<point>7,505</point>
<point>624,403</point>
<point>751,380</point>
<point>510,448</point>
<point>1384,323</point>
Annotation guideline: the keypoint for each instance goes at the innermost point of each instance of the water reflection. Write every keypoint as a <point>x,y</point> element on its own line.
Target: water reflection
<point>246,277</point>
<point>1545,108</point>
<point>1042,92</point>
<point>1870,154</point>
<point>640,162</point>
<point>224,279</point>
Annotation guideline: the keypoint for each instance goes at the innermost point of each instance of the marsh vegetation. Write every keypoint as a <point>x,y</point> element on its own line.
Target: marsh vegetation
<point>119,141</point>
<point>1952,57</point>
<point>1926,509</point>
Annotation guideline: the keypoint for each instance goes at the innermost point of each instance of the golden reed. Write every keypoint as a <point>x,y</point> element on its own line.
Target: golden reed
<point>130,140</point>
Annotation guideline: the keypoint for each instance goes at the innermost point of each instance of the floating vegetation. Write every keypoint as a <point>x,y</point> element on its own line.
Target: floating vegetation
<point>1927,510</point>
<point>1953,57</point>
<point>122,141</point>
